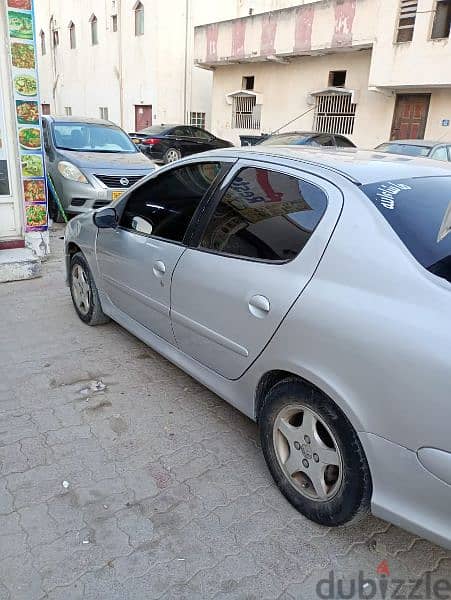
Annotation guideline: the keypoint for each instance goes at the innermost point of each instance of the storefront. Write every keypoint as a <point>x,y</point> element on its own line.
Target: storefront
<point>23,193</point>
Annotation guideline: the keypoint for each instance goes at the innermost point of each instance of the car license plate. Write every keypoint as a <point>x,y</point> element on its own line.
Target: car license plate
<point>116,195</point>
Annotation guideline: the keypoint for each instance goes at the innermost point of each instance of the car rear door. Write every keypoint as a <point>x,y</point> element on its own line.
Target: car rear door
<point>260,245</point>
<point>136,260</point>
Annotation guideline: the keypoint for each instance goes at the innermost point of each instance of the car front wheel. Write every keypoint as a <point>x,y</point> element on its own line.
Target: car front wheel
<point>84,292</point>
<point>314,454</point>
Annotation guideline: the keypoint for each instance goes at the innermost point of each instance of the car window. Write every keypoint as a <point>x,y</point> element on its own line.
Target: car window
<point>408,149</point>
<point>417,210</point>
<point>290,139</point>
<point>181,131</point>
<point>324,140</point>
<point>168,202</point>
<point>265,215</point>
<point>91,137</point>
<point>343,142</point>
<point>199,133</point>
<point>440,153</point>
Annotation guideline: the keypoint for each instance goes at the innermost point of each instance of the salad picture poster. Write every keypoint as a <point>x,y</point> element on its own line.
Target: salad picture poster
<point>26,95</point>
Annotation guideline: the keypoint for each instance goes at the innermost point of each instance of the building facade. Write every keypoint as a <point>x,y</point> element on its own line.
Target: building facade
<point>369,69</point>
<point>125,60</point>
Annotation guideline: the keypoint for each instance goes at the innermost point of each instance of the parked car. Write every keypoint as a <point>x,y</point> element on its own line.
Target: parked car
<point>307,138</point>
<point>167,143</point>
<point>436,150</point>
<point>309,289</point>
<point>91,162</point>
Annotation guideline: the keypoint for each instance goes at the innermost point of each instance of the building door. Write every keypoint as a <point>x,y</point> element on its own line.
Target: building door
<point>143,116</point>
<point>410,117</point>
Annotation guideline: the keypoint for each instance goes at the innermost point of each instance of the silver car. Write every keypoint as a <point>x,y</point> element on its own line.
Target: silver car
<point>91,162</point>
<point>311,290</point>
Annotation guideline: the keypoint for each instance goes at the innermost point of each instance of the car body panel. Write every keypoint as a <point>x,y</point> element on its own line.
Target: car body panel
<point>128,265</point>
<point>230,337</point>
<point>371,330</point>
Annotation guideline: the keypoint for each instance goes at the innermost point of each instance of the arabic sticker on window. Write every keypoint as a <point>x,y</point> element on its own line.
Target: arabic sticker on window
<point>387,193</point>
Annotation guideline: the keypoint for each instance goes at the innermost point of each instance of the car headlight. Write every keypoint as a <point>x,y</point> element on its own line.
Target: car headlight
<point>70,171</point>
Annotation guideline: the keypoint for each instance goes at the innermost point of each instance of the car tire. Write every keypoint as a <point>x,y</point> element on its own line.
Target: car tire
<point>171,155</point>
<point>331,495</point>
<point>84,292</point>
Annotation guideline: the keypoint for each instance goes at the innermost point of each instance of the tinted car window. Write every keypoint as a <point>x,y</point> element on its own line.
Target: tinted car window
<point>265,215</point>
<point>416,209</point>
<point>324,140</point>
<point>343,142</point>
<point>440,153</point>
<point>168,202</point>
<point>199,133</point>
<point>181,131</point>
<point>287,138</point>
<point>408,149</point>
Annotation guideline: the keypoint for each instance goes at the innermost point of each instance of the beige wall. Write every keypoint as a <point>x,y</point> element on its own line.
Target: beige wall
<point>153,65</point>
<point>285,88</point>
<point>422,62</point>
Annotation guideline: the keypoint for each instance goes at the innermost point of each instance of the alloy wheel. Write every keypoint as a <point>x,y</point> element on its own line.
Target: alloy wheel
<point>308,452</point>
<point>81,289</point>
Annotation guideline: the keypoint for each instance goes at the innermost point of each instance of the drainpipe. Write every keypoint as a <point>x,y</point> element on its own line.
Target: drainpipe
<point>53,62</point>
<point>121,78</point>
<point>185,85</point>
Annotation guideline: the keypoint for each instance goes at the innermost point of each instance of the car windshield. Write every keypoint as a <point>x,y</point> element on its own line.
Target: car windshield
<point>286,138</point>
<point>91,137</point>
<point>409,149</point>
<point>417,209</point>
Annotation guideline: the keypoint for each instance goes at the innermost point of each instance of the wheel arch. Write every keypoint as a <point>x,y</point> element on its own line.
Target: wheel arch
<point>272,377</point>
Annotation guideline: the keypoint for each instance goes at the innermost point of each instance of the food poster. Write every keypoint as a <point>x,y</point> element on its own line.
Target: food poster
<point>26,96</point>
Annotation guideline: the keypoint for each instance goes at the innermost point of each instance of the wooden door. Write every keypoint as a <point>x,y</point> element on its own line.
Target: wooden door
<point>143,116</point>
<point>410,117</point>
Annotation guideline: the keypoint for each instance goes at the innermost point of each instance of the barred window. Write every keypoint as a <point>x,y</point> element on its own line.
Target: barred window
<point>68,111</point>
<point>246,112</point>
<point>197,119</point>
<point>406,24</point>
<point>334,113</point>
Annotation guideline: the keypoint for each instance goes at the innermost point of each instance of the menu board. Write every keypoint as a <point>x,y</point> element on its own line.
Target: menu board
<point>26,97</point>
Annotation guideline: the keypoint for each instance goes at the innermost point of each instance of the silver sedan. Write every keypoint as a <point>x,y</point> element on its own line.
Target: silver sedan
<point>309,289</point>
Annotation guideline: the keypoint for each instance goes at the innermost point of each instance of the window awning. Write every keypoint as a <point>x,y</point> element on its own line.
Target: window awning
<point>337,91</point>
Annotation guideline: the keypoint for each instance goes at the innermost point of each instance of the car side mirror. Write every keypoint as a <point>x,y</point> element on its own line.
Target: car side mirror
<point>142,226</point>
<point>105,218</point>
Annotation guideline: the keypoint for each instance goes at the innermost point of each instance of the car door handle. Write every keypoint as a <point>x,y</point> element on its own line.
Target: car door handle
<point>159,268</point>
<point>259,306</point>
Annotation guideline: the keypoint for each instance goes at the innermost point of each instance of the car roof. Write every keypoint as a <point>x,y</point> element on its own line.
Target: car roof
<point>72,119</point>
<point>425,143</point>
<point>359,166</point>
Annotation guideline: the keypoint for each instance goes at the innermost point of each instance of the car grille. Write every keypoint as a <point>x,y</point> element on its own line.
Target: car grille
<point>114,181</point>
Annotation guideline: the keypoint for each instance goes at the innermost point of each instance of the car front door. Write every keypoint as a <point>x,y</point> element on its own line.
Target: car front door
<point>136,260</point>
<point>267,230</point>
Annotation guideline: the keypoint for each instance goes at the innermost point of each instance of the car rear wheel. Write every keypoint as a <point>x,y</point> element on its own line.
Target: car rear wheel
<point>171,155</point>
<point>314,454</point>
<point>84,292</point>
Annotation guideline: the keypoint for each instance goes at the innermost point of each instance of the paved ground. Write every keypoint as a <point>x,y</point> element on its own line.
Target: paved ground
<point>152,487</point>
